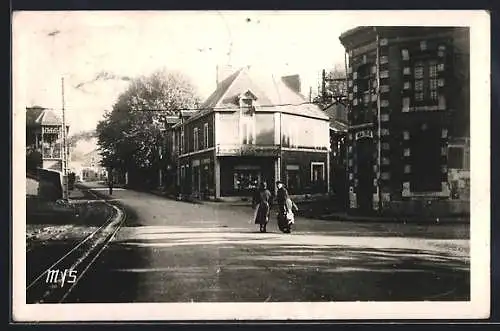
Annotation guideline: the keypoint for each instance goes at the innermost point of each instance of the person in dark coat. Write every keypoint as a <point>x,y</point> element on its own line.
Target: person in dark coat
<point>285,208</point>
<point>262,204</point>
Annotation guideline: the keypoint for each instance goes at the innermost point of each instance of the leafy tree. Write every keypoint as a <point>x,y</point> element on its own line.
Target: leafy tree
<point>130,134</point>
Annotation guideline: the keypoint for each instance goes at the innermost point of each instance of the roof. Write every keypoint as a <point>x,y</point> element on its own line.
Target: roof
<point>272,93</point>
<point>337,113</point>
<point>220,90</point>
<point>36,116</point>
<point>353,31</point>
<point>338,126</point>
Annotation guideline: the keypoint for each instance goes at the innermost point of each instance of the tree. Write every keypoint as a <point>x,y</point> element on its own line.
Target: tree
<point>130,134</point>
<point>333,87</point>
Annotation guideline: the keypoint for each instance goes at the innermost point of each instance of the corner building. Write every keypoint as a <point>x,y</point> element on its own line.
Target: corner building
<point>408,96</point>
<point>255,127</point>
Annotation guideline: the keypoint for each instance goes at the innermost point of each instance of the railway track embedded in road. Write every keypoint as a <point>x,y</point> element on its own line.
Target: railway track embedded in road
<point>56,282</point>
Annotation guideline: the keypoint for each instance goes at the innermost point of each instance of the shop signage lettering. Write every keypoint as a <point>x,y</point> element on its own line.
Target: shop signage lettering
<point>256,150</point>
<point>364,134</point>
<point>248,150</point>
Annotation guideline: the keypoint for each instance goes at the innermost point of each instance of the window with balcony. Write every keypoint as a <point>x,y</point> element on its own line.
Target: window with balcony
<point>247,118</point>
<point>174,142</point>
<point>247,130</point>
<point>425,75</point>
<point>205,135</point>
<point>181,149</point>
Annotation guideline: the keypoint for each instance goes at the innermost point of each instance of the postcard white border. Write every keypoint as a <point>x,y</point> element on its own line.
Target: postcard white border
<point>477,307</point>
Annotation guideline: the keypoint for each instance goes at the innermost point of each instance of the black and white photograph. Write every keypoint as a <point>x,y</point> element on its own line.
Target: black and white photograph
<point>250,165</point>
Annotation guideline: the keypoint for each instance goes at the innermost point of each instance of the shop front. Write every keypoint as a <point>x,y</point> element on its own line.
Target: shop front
<point>240,176</point>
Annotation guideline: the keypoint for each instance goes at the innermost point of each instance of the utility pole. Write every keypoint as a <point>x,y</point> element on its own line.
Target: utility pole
<point>64,147</point>
<point>379,124</point>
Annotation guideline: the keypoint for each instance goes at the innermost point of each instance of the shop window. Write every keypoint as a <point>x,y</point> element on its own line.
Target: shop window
<point>246,180</point>
<point>293,178</point>
<point>317,172</point>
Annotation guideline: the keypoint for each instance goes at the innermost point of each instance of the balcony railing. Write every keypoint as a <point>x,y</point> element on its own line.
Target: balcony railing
<point>52,152</point>
<point>247,150</point>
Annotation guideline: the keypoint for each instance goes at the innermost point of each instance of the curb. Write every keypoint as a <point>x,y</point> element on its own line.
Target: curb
<point>461,219</point>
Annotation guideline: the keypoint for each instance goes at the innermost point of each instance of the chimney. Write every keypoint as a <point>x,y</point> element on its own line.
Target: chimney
<point>222,72</point>
<point>293,82</point>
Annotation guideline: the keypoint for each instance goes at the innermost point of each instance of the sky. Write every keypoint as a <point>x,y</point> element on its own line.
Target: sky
<point>81,46</point>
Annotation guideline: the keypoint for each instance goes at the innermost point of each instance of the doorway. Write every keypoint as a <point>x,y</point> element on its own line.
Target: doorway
<point>364,173</point>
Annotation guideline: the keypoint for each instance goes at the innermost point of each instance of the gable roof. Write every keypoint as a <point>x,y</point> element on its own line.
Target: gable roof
<point>220,90</point>
<point>272,94</point>
<point>36,116</point>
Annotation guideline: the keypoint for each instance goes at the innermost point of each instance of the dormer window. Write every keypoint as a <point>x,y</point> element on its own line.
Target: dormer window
<point>246,101</point>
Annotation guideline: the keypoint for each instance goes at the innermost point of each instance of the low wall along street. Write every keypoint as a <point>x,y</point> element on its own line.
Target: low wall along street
<point>50,185</point>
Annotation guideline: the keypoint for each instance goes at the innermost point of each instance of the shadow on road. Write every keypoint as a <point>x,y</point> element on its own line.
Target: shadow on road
<point>246,267</point>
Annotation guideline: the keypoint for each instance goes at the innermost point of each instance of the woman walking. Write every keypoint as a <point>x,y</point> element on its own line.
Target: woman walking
<point>262,204</point>
<point>286,207</point>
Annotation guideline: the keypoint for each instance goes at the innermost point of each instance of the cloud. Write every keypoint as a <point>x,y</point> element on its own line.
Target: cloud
<point>102,76</point>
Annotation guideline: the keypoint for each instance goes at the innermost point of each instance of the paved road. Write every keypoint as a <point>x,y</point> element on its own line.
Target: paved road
<point>170,251</point>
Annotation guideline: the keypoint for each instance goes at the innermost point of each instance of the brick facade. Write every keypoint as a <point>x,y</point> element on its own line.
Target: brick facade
<point>402,100</point>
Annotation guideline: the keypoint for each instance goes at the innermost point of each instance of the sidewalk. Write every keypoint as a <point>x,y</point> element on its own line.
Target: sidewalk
<point>343,216</point>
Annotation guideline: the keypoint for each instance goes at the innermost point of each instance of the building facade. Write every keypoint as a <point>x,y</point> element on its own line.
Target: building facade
<point>44,138</point>
<point>252,129</point>
<point>408,96</point>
